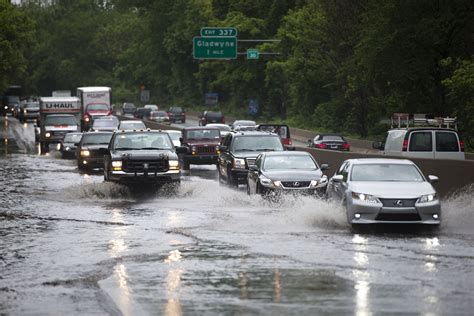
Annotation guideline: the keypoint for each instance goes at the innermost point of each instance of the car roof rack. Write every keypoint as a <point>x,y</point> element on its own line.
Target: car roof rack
<point>406,120</point>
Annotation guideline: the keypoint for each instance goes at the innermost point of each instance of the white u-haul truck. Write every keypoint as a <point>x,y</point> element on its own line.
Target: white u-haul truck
<point>58,116</point>
<point>95,102</point>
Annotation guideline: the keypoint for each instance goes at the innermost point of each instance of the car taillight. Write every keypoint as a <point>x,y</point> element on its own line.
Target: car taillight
<point>461,145</point>
<point>405,145</point>
<point>87,118</point>
<point>322,146</point>
<point>223,119</point>
<point>345,146</point>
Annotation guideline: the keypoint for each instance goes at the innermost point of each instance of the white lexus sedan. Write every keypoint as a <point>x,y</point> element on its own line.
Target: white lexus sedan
<point>382,190</point>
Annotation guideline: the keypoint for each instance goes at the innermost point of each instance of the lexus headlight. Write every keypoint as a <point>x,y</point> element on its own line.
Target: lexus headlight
<point>428,198</point>
<point>48,134</point>
<point>365,197</point>
<point>269,183</point>
<point>174,164</point>
<point>239,163</point>
<point>85,153</point>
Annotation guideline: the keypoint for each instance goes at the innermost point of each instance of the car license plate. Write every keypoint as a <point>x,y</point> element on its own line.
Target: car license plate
<point>334,146</point>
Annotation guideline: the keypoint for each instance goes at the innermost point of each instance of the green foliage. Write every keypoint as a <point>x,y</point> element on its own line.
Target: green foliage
<point>343,65</point>
<point>16,31</point>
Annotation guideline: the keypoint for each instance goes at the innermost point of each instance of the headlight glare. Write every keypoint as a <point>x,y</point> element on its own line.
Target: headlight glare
<point>239,163</point>
<point>85,153</point>
<point>48,134</point>
<point>117,163</point>
<point>428,198</point>
<point>365,197</point>
<point>174,164</point>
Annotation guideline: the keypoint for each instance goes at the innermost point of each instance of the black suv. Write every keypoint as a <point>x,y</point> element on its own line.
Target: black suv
<point>142,157</point>
<point>211,117</point>
<point>177,113</point>
<point>239,150</point>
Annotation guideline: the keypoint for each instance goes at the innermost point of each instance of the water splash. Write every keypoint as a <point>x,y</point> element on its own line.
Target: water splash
<point>458,211</point>
<point>98,191</point>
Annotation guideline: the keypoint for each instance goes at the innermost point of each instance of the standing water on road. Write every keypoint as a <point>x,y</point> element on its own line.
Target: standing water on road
<point>72,244</point>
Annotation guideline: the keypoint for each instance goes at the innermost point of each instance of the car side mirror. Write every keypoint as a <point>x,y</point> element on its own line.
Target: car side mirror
<point>433,179</point>
<point>253,168</point>
<point>290,148</point>
<point>181,149</point>
<point>378,145</point>
<point>181,140</point>
<point>223,148</point>
<point>324,167</point>
<point>337,178</point>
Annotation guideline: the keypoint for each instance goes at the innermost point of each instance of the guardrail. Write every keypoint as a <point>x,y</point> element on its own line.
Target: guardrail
<point>454,175</point>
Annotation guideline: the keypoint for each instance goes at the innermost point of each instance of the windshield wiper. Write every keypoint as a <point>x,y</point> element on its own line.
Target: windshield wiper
<point>244,150</point>
<point>124,148</point>
<point>155,148</point>
<point>264,149</point>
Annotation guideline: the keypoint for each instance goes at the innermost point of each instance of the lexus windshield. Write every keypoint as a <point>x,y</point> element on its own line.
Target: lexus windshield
<point>386,172</point>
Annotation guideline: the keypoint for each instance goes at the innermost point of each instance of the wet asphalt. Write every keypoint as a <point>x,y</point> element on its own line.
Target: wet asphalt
<point>72,244</point>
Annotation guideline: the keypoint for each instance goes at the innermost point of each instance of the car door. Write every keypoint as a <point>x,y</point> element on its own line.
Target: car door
<point>253,175</point>
<point>447,145</point>
<point>420,144</point>
<point>224,156</point>
<point>341,187</point>
<point>334,187</point>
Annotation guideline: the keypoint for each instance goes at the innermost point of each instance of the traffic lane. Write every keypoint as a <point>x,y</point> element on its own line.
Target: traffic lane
<point>70,238</point>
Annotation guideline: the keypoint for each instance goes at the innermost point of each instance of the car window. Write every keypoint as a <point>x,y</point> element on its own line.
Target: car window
<point>203,134</point>
<point>332,138</point>
<point>258,162</point>
<point>345,172</point>
<point>95,139</point>
<point>446,141</point>
<point>289,162</point>
<point>137,141</point>
<point>386,172</point>
<point>421,141</point>
<point>227,140</point>
<point>249,143</point>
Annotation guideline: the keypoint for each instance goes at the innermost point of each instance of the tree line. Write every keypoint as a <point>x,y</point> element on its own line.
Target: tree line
<point>342,65</point>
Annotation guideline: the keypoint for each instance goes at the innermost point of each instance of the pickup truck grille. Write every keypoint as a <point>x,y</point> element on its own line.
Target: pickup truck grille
<point>211,149</point>
<point>251,161</point>
<point>150,166</point>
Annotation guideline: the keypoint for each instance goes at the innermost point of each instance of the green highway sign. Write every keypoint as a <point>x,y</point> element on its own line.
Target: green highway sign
<point>215,47</point>
<point>252,54</point>
<point>219,31</point>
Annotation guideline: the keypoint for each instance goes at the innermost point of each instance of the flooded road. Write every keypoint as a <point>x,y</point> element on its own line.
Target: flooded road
<point>71,244</point>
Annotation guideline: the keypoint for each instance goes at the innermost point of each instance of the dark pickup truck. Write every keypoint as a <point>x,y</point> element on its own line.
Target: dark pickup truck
<point>202,145</point>
<point>142,157</point>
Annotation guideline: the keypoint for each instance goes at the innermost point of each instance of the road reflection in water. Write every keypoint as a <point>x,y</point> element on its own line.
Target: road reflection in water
<point>173,284</point>
<point>362,276</point>
<point>116,248</point>
<point>430,294</point>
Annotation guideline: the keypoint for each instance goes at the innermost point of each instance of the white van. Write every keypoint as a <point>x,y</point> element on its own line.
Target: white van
<point>423,142</point>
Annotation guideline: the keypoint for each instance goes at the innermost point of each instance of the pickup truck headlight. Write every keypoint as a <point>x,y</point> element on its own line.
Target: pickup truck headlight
<point>428,198</point>
<point>85,153</point>
<point>48,134</point>
<point>239,163</point>
<point>365,198</point>
<point>174,164</point>
<point>117,165</point>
